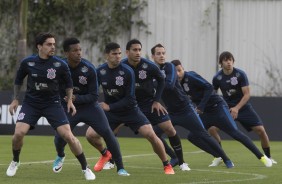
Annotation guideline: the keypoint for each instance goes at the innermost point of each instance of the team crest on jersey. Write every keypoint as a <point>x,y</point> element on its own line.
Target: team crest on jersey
<point>142,74</point>
<point>234,81</point>
<point>119,81</point>
<point>51,73</point>
<point>219,77</point>
<point>186,87</point>
<point>185,79</point>
<point>121,72</point>
<point>57,64</point>
<point>145,65</point>
<point>21,116</point>
<point>84,69</point>
<point>103,72</point>
<point>31,63</point>
<point>82,80</point>
<point>163,72</point>
<point>237,74</point>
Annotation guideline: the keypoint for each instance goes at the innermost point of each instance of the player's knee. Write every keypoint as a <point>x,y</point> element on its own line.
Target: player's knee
<point>260,131</point>
<point>91,134</point>
<point>18,135</point>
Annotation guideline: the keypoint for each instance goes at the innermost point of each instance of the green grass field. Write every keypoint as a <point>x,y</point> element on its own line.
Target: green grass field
<point>140,161</point>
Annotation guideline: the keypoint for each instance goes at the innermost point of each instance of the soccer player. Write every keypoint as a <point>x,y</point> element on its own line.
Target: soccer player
<point>148,96</point>
<point>45,72</point>
<point>234,86</point>
<point>181,110</point>
<point>85,96</point>
<point>213,110</point>
<point>118,82</point>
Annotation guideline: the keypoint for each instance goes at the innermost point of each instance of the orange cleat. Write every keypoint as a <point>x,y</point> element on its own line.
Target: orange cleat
<point>168,169</point>
<point>102,161</point>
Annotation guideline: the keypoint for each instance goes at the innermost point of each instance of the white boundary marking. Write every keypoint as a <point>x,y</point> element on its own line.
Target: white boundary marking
<point>253,176</point>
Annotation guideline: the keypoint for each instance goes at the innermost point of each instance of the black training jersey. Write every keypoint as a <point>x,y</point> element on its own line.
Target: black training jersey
<point>44,78</point>
<point>173,95</point>
<point>118,86</point>
<point>200,90</point>
<point>85,83</point>
<point>146,73</point>
<point>231,85</point>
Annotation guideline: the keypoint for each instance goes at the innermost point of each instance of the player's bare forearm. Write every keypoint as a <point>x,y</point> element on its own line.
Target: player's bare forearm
<point>17,89</point>
<point>69,92</point>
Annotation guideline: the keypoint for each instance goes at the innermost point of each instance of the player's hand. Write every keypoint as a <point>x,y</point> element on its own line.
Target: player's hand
<point>199,111</point>
<point>234,112</point>
<point>159,108</point>
<point>71,108</point>
<point>104,106</point>
<point>72,98</point>
<point>13,106</point>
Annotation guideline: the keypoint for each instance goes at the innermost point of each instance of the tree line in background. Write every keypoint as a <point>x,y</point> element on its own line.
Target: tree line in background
<point>97,21</point>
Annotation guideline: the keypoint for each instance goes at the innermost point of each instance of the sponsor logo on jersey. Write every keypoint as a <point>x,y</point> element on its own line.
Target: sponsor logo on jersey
<point>186,87</point>
<point>103,72</point>
<point>51,73</point>
<point>231,92</point>
<point>142,74</point>
<point>163,72</point>
<point>145,65</point>
<point>57,64</point>
<point>82,80</point>
<point>119,81</point>
<point>219,77</point>
<point>112,92</point>
<point>84,69</point>
<point>234,81</point>
<point>31,63</point>
<point>121,72</point>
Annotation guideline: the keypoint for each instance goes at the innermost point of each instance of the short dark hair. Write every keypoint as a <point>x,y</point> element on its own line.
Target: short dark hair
<point>225,56</point>
<point>42,37</point>
<point>111,46</point>
<point>69,41</point>
<point>131,42</point>
<point>176,62</point>
<point>154,48</point>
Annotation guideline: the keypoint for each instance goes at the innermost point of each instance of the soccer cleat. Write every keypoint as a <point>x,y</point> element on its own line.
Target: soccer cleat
<point>184,167</point>
<point>229,164</point>
<point>12,169</point>
<point>216,162</point>
<point>273,161</point>
<point>123,172</point>
<point>108,166</point>
<point>88,174</point>
<point>173,162</point>
<point>168,169</point>
<point>266,161</point>
<point>58,164</point>
<point>102,161</point>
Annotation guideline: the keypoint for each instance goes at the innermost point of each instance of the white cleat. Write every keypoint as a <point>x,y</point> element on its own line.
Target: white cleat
<point>273,161</point>
<point>184,167</point>
<point>108,166</point>
<point>12,169</point>
<point>216,162</point>
<point>88,174</point>
<point>266,161</point>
